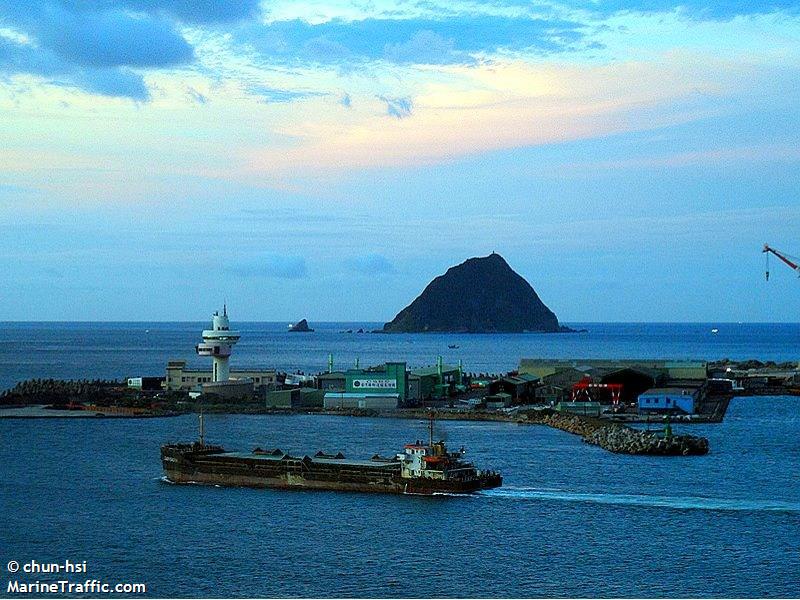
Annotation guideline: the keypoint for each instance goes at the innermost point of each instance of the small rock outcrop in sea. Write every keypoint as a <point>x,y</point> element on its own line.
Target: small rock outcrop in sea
<point>481,295</point>
<point>300,327</point>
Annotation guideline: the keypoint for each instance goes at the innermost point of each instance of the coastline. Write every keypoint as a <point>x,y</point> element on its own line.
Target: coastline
<point>612,436</point>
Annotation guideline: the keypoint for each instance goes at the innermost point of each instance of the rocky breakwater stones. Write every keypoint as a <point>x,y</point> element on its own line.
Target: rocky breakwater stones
<point>620,438</point>
<point>625,440</point>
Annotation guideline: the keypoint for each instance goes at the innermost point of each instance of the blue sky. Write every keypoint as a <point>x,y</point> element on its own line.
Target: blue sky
<point>327,159</point>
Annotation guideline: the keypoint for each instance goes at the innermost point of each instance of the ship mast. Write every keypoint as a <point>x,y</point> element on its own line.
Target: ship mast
<point>202,427</point>
<point>430,429</point>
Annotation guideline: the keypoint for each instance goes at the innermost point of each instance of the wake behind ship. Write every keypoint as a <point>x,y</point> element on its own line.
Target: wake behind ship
<point>419,469</point>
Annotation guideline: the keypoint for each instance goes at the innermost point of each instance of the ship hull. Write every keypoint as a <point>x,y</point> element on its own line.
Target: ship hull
<point>286,482</point>
<point>215,467</point>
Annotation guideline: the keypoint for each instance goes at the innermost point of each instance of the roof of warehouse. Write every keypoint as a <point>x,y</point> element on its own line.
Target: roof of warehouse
<point>333,375</point>
<point>434,370</point>
<point>521,378</point>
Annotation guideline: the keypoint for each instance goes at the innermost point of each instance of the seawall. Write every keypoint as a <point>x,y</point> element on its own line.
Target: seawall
<point>618,438</point>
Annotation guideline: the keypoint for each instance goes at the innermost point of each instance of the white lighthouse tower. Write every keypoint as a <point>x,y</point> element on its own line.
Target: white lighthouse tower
<point>218,343</point>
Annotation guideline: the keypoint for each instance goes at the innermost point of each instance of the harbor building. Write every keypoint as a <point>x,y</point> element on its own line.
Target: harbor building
<point>437,381</point>
<point>672,369</point>
<point>145,384</point>
<point>333,381</point>
<point>520,388</point>
<point>384,386</point>
<point>218,343</point>
<point>180,377</point>
<point>668,400</point>
<point>390,379</point>
<point>586,408</point>
<point>297,397</point>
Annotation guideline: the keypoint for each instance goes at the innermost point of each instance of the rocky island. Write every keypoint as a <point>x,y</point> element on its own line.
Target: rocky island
<point>481,295</point>
<point>300,327</point>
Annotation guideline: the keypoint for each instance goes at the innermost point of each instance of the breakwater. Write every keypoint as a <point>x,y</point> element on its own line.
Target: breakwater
<point>61,392</point>
<point>613,437</point>
<point>617,438</point>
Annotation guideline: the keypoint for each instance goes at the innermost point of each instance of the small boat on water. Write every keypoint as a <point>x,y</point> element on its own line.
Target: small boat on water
<point>452,346</point>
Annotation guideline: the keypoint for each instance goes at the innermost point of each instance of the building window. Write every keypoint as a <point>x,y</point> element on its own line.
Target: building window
<point>183,379</point>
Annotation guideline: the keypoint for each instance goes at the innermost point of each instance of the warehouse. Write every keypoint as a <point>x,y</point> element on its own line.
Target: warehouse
<point>381,387</point>
<point>674,369</point>
<point>180,378</point>
<point>668,400</point>
<point>521,388</point>
<point>587,409</point>
<point>385,401</point>
<point>424,383</point>
<point>334,381</point>
<point>292,398</point>
<point>437,381</point>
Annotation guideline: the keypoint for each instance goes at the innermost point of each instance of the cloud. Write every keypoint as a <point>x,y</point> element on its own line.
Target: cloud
<point>194,11</point>
<point>110,37</point>
<point>346,100</point>
<point>407,41</point>
<point>426,47</point>
<point>196,96</point>
<point>697,9</point>
<point>512,104</point>
<point>114,82</point>
<point>371,264</point>
<point>277,95</point>
<point>399,108</point>
<point>94,45</point>
<point>119,82</point>
<point>274,265</point>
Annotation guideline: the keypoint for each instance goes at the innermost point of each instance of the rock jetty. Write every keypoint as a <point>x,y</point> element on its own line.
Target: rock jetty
<point>620,439</point>
<point>61,392</point>
<point>481,295</point>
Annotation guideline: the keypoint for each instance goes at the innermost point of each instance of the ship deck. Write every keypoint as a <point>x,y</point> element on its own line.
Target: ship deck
<point>345,462</point>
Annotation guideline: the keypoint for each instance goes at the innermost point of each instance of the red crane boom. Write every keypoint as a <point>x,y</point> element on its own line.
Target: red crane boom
<point>784,257</point>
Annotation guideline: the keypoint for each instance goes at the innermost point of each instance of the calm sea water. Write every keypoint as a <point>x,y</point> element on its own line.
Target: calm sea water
<point>571,519</point>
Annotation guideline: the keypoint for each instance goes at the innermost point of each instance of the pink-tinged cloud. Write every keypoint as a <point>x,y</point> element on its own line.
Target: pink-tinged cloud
<point>506,105</point>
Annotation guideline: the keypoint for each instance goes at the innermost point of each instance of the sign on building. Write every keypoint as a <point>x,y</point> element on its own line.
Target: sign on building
<point>375,384</point>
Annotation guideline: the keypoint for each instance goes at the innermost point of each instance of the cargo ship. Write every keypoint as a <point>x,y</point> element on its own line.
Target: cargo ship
<point>420,469</point>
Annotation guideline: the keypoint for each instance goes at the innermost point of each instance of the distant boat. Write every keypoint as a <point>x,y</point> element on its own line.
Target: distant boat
<point>715,331</point>
<point>451,346</point>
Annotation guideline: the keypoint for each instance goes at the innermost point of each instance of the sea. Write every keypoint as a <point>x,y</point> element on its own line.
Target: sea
<point>570,520</point>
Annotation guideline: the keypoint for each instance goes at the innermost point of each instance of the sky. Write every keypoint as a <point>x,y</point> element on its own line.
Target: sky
<point>326,159</point>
